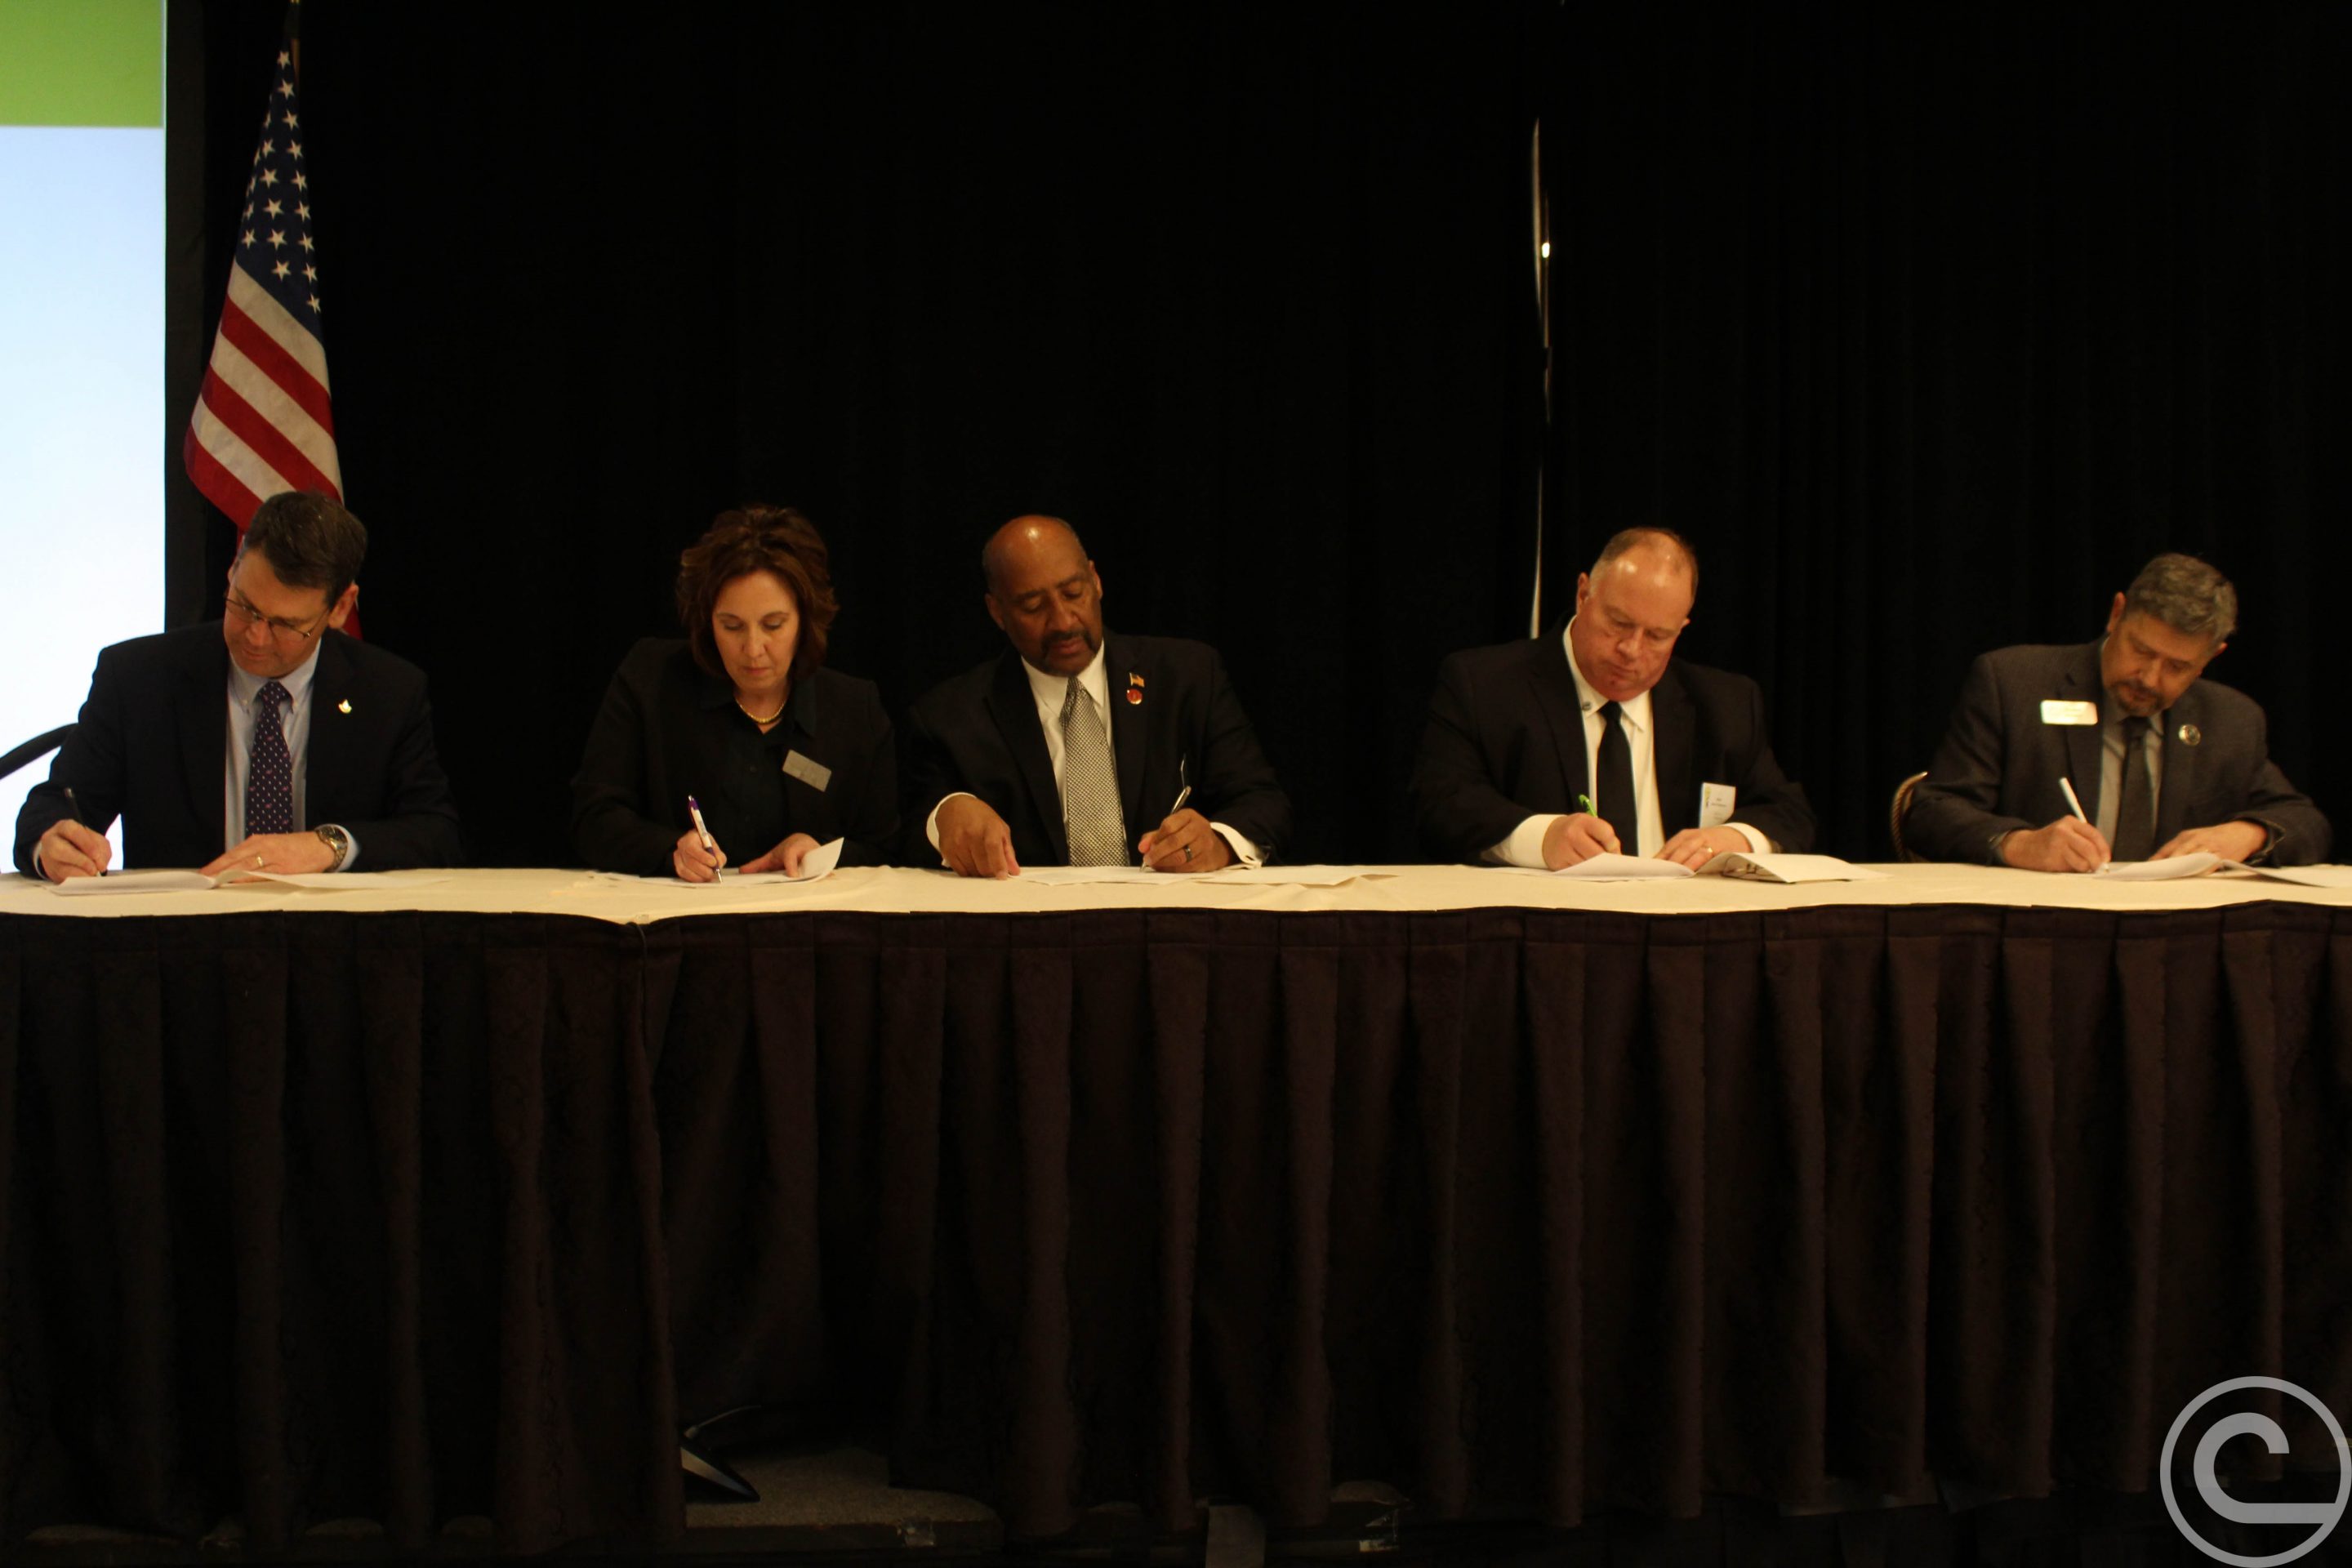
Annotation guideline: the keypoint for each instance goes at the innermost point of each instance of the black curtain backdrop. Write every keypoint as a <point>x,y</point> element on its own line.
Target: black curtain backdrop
<point>1927,324</point>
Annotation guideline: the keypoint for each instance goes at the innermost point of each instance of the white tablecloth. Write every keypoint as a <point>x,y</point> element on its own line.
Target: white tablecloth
<point>629,900</point>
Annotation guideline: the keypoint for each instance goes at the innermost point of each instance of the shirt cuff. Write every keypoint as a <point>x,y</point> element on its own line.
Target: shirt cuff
<point>1524,845</point>
<point>1757,843</point>
<point>1244,850</point>
<point>931,823</point>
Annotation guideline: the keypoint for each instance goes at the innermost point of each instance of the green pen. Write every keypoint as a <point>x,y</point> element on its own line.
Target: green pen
<point>1584,805</point>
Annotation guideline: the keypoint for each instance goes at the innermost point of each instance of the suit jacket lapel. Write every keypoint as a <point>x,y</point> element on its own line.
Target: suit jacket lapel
<point>1555,687</point>
<point>2085,744</point>
<point>204,744</point>
<point>1677,738</point>
<point>1132,732</point>
<point>1014,709</point>
<point>2182,764</point>
<point>327,761</point>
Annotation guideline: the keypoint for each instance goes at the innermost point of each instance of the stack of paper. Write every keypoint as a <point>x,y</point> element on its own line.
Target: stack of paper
<point>235,876</point>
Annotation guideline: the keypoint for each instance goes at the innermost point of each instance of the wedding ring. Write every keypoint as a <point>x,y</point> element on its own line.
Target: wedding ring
<point>257,862</point>
<point>1188,852</point>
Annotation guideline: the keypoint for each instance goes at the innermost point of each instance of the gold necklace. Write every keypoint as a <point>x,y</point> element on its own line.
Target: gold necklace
<point>755,719</point>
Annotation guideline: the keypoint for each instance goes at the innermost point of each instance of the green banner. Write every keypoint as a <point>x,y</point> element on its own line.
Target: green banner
<point>82,62</point>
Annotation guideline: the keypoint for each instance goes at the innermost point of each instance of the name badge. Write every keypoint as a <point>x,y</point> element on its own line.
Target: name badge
<point>2056,713</point>
<point>814,775</point>
<point>1716,803</point>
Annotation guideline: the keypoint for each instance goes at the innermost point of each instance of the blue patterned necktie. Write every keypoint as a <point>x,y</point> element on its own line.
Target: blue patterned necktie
<point>269,777</point>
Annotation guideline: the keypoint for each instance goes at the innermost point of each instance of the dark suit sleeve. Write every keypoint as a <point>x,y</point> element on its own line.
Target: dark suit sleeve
<point>1770,801</point>
<point>419,824</point>
<point>609,824</point>
<point>90,763</point>
<point>869,819</point>
<point>1955,812</point>
<point>1238,786</point>
<point>1454,798</point>
<point>930,776</point>
<point>2300,833</point>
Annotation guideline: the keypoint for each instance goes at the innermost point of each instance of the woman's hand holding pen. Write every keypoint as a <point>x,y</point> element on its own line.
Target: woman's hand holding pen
<point>693,861</point>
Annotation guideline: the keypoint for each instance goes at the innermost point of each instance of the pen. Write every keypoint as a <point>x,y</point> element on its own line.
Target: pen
<point>1183,794</point>
<point>695,811</point>
<point>2072,804</point>
<point>75,807</point>
<point>1584,805</point>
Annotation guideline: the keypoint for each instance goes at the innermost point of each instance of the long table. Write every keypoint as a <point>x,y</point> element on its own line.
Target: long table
<point>460,1196</point>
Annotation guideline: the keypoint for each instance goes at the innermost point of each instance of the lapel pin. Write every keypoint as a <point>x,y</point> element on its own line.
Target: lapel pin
<point>344,706</point>
<point>2190,734</point>
<point>1133,695</point>
<point>1133,678</point>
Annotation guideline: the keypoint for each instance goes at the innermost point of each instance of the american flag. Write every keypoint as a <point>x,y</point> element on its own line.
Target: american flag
<point>264,422</point>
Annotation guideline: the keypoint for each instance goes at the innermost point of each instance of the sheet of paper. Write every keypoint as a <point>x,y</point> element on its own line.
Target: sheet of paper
<point>819,862</point>
<point>133,882</point>
<point>2168,870</point>
<point>1295,876</point>
<point>239,881</point>
<point>1096,876</point>
<point>816,866</point>
<point>1257,876</point>
<point>2302,876</point>
<point>1607,867</point>
<point>1754,867</point>
<point>323,882</point>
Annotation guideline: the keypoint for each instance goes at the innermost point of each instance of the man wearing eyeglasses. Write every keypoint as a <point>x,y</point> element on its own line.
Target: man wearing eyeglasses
<point>275,744</point>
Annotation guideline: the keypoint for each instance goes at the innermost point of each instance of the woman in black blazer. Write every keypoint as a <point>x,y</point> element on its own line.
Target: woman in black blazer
<point>782,753</point>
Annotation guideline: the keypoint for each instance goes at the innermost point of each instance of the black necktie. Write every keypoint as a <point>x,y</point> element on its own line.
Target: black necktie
<point>1618,807</point>
<point>2135,802</point>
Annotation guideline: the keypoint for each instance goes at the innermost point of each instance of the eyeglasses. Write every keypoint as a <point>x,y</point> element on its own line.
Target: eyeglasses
<point>282,629</point>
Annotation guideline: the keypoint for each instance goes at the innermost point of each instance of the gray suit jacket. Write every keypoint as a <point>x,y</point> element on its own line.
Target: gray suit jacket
<point>1999,766</point>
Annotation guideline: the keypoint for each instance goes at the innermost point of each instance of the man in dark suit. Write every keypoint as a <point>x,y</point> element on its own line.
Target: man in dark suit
<point>1075,747</point>
<point>1547,751</point>
<point>2163,762</point>
<point>271,741</point>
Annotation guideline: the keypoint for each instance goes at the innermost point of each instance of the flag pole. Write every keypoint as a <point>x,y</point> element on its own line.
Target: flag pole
<point>1541,213</point>
<point>264,418</point>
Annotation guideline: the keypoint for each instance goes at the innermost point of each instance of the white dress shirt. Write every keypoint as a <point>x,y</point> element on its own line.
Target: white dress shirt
<point>1094,681</point>
<point>295,716</point>
<point>1524,845</point>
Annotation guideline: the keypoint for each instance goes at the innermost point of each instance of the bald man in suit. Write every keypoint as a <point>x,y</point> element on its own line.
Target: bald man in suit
<point>1079,746</point>
<point>1546,751</point>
